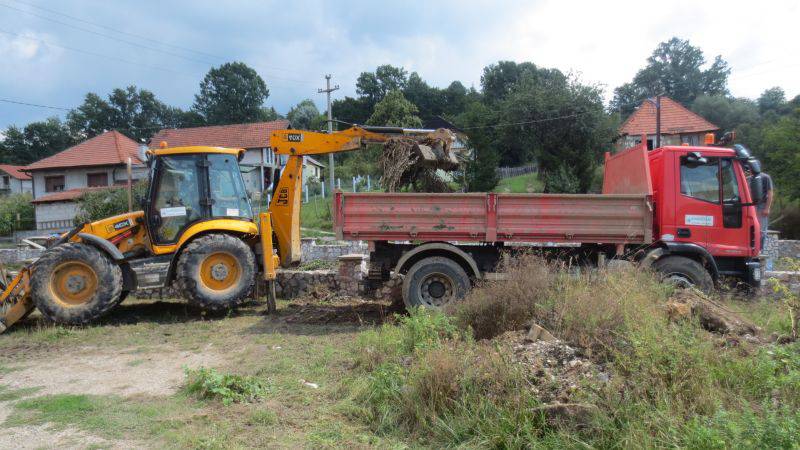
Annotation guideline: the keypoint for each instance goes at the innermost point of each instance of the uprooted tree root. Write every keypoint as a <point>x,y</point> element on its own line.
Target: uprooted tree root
<point>712,315</point>
<point>412,162</point>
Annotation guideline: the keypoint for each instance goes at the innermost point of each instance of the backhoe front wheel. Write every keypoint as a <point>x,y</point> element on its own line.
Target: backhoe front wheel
<point>75,284</point>
<point>215,271</point>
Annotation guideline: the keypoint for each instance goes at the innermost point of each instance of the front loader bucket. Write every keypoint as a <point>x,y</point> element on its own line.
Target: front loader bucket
<point>15,302</point>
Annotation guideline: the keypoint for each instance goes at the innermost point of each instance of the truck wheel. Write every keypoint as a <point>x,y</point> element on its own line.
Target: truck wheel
<point>684,272</point>
<point>75,284</point>
<point>215,271</point>
<point>434,282</point>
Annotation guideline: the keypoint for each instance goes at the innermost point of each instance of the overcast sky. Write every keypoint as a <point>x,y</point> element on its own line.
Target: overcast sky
<point>292,44</point>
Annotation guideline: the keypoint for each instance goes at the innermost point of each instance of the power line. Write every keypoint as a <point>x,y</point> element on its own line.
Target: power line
<point>5,100</point>
<point>203,61</point>
<point>107,36</point>
<point>78,19</point>
<point>87,52</point>
<point>527,122</point>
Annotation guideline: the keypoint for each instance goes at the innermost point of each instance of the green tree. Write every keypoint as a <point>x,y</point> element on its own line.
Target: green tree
<point>304,116</point>
<point>781,140</point>
<point>13,207</point>
<point>772,103</point>
<point>675,69</point>
<point>137,113</point>
<point>395,111</point>
<point>481,171</point>
<point>498,79</point>
<point>99,204</point>
<point>373,86</point>
<point>728,113</point>
<point>351,110</point>
<point>36,141</point>
<point>231,93</point>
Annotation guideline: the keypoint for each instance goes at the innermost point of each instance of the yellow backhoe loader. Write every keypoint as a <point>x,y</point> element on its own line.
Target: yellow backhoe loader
<point>196,228</point>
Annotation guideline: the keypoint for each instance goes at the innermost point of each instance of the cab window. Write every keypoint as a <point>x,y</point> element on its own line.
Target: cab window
<point>714,181</point>
<point>700,181</point>
<point>177,200</point>
<point>228,194</point>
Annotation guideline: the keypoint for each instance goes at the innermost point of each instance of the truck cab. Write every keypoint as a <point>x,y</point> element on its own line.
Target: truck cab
<point>704,208</point>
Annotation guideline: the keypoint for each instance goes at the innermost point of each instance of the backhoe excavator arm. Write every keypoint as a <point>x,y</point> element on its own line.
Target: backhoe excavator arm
<point>285,204</point>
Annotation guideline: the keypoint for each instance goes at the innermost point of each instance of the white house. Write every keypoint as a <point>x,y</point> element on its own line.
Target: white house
<point>97,163</point>
<point>14,181</point>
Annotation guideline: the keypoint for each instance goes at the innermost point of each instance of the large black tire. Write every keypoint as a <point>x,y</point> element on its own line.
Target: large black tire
<point>434,282</point>
<point>215,272</point>
<point>75,283</point>
<point>684,272</point>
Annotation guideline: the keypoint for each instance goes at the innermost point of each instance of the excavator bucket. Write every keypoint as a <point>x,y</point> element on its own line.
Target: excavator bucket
<point>15,302</point>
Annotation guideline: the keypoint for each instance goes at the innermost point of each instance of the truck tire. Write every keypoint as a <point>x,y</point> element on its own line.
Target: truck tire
<point>74,284</point>
<point>434,282</point>
<point>684,272</point>
<point>215,272</point>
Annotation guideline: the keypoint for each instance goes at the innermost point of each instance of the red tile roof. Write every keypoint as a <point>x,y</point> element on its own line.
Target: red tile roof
<point>245,135</point>
<point>109,148</point>
<point>15,171</point>
<point>69,195</point>
<point>675,119</point>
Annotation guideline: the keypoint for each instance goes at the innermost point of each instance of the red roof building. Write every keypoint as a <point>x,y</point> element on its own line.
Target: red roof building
<point>94,164</point>
<point>678,125</point>
<point>243,135</point>
<point>14,181</point>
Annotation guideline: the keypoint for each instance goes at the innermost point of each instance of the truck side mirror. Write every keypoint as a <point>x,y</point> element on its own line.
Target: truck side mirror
<point>757,188</point>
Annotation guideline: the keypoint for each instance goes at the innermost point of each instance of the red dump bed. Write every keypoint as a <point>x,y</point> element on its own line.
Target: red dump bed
<point>616,219</point>
<point>623,214</point>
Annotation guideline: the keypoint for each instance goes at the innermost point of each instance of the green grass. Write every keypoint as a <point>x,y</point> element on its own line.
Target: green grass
<point>520,184</point>
<point>8,394</point>
<point>207,383</point>
<point>316,215</point>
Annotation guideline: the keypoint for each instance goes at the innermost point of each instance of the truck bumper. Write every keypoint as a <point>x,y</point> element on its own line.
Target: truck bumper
<point>755,273</point>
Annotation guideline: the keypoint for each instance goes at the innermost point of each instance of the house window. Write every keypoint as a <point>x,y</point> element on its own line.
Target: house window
<point>54,184</point>
<point>97,179</point>
<point>6,182</point>
<point>690,139</point>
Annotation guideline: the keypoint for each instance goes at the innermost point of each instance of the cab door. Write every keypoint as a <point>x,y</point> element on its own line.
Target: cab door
<point>729,236</point>
<point>697,205</point>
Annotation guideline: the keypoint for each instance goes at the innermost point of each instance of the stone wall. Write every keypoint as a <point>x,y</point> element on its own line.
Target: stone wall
<point>312,250</point>
<point>19,255</point>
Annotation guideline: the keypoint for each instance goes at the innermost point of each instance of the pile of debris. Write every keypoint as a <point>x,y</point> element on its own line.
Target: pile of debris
<point>411,161</point>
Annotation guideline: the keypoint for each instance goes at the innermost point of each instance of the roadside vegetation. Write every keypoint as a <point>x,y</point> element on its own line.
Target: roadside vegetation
<point>446,380</point>
<point>616,370</point>
<point>520,184</point>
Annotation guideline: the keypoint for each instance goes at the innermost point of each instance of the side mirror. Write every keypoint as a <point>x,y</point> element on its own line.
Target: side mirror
<point>757,188</point>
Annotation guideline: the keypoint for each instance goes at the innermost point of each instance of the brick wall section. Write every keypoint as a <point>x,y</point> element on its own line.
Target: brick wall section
<point>313,251</point>
<point>18,255</point>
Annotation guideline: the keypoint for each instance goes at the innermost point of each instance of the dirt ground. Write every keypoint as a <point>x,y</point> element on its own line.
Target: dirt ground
<point>143,350</point>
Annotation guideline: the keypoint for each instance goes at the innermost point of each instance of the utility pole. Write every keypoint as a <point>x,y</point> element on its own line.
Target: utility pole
<point>328,89</point>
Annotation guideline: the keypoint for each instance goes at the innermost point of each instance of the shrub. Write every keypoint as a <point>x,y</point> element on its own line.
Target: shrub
<point>10,207</point>
<point>496,307</point>
<point>229,388</point>
<point>99,204</point>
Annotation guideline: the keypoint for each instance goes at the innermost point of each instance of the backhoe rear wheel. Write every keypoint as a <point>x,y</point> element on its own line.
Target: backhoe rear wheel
<point>75,283</point>
<point>215,271</point>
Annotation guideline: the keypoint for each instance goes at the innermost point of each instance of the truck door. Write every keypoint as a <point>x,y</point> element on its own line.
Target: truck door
<point>696,205</point>
<point>709,207</point>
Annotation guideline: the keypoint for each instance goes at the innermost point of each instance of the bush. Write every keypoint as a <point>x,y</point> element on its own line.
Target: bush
<point>210,384</point>
<point>496,307</point>
<point>99,204</point>
<point>13,205</point>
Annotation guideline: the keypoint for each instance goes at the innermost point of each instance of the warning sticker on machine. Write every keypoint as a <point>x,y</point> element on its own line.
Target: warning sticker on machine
<point>703,221</point>
<point>175,211</point>
<point>234,212</point>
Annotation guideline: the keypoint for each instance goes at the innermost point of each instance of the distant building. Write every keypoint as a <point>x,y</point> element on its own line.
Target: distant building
<point>97,163</point>
<point>678,126</point>
<point>14,181</point>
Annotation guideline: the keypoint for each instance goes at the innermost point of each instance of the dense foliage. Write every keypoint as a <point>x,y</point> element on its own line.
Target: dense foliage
<point>16,213</point>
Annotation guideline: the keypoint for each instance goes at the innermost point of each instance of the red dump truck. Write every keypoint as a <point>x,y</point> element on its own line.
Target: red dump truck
<point>687,212</point>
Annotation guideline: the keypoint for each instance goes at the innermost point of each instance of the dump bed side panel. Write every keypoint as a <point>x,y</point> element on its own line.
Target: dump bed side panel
<point>493,217</point>
<point>628,172</point>
<point>608,219</point>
